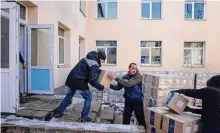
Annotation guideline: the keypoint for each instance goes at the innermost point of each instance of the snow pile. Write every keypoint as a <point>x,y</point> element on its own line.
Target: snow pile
<point>73,126</point>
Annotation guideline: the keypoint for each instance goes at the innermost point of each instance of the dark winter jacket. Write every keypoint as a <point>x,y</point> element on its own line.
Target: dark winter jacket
<point>86,71</point>
<point>21,59</point>
<point>132,85</point>
<point>210,97</point>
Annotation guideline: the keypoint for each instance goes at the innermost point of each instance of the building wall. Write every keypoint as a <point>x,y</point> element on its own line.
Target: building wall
<point>69,15</point>
<point>129,29</point>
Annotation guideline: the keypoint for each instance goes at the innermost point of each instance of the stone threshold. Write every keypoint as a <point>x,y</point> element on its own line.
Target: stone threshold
<point>36,126</point>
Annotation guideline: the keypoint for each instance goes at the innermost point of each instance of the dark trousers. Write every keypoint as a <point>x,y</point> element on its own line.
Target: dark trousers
<point>137,107</point>
<point>210,129</point>
<point>86,94</point>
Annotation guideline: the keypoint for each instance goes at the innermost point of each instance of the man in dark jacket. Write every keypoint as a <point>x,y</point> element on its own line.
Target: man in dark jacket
<point>21,97</point>
<point>86,71</point>
<point>21,60</point>
<point>210,96</point>
<point>132,84</point>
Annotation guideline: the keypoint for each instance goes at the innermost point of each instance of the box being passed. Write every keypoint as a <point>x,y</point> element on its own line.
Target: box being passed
<point>103,78</point>
<point>176,103</point>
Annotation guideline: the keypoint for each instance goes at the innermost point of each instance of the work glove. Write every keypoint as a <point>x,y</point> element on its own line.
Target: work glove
<point>176,91</point>
<point>187,109</point>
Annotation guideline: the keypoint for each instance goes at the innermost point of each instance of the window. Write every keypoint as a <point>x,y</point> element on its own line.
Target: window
<point>151,9</point>
<point>22,12</point>
<point>61,33</point>
<point>193,53</point>
<point>151,53</point>
<point>109,47</point>
<point>83,7</point>
<point>107,9</point>
<point>194,9</point>
<point>4,42</point>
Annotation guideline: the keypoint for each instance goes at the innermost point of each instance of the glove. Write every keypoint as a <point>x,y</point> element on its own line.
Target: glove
<point>187,109</point>
<point>176,91</point>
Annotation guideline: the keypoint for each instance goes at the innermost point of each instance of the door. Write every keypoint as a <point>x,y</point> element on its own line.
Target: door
<point>22,50</point>
<point>9,57</point>
<point>40,59</point>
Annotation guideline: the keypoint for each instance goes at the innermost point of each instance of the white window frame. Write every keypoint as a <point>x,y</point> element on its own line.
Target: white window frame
<point>192,57</point>
<point>60,37</point>
<point>151,3</point>
<point>150,60</point>
<point>106,8</point>
<point>106,47</point>
<point>193,9</point>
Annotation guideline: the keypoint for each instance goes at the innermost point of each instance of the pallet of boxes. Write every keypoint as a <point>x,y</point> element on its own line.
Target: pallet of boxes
<point>164,110</point>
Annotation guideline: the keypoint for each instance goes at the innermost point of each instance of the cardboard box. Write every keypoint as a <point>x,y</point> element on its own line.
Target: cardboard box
<point>103,78</point>
<point>176,102</point>
<point>155,97</point>
<point>168,81</point>
<point>154,116</point>
<point>151,129</point>
<point>185,123</point>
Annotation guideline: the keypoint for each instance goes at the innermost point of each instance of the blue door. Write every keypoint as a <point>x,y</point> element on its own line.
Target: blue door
<point>40,59</point>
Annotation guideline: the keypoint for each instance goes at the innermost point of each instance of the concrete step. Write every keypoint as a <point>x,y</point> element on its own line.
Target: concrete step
<point>34,126</point>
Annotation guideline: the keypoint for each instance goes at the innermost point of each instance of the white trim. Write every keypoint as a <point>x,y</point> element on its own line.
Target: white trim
<point>13,57</point>
<point>61,37</point>
<point>22,22</point>
<point>5,14</point>
<point>4,70</point>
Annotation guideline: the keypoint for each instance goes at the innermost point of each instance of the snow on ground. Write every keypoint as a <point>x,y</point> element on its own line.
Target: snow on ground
<point>19,121</point>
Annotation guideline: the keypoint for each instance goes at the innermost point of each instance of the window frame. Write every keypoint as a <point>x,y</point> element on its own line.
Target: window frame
<point>192,53</point>
<point>151,10</point>
<point>193,9</point>
<point>106,49</point>
<point>150,55</point>
<point>106,8</point>
<point>80,8</point>
<point>64,39</point>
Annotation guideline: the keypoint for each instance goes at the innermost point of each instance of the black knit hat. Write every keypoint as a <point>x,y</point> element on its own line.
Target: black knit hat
<point>101,55</point>
<point>214,81</point>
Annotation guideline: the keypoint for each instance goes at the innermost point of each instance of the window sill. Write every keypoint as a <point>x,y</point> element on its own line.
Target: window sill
<point>63,66</point>
<point>151,19</point>
<point>109,64</point>
<point>187,66</point>
<point>195,19</point>
<point>150,65</point>
<point>106,18</point>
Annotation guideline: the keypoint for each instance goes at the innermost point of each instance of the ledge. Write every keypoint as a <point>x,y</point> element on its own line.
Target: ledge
<point>63,66</point>
<point>47,126</point>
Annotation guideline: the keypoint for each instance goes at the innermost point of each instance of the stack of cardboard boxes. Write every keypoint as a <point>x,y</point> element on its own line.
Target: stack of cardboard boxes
<point>172,119</point>
<point>164,113</point>
<point>157,87</point>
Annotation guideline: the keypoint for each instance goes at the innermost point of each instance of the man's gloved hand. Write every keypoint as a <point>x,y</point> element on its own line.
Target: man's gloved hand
<point>176,91</point>
<point>187,109</point>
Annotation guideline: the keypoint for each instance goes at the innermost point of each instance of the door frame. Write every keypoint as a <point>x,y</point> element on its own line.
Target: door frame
<point>51,57</point>
<point>13,69</point>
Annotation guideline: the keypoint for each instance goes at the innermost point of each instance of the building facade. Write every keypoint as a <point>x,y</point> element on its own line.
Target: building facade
<point>157,35</point>
<point>53,36</point>
<point>49,36</point>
